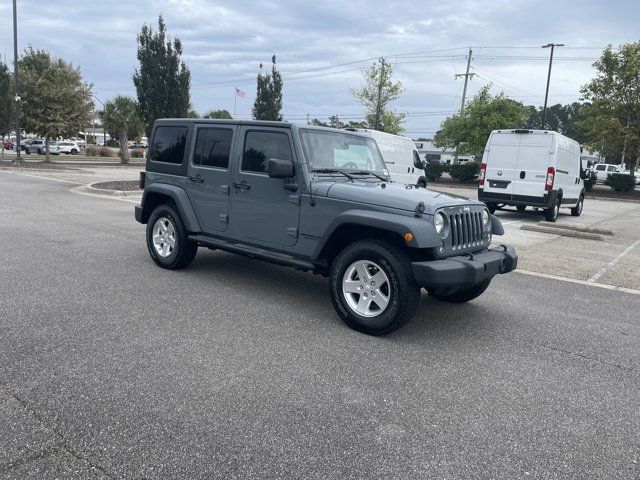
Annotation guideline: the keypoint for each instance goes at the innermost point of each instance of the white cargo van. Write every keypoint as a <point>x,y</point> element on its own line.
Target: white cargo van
<point>536,168</point>
<point>401,156</point>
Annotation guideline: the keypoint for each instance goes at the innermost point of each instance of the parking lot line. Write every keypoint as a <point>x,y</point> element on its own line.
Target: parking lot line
<point>609,266</point>
<point>581,282</point>
<point>38,176</point>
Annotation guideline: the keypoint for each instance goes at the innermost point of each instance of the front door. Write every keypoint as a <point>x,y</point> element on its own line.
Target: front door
<point>208,182</point>
<point>262,209</point>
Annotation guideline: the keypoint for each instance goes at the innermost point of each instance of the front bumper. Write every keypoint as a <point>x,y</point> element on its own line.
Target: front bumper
<point>465,269</point>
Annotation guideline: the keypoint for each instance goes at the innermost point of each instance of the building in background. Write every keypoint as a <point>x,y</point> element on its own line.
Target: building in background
<point>432,154</point>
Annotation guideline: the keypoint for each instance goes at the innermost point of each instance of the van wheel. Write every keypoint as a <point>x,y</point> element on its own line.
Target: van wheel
<point>372,287</point>
<point>167,239</point>
<point>422,183</point>
<point>492,207</point>
<point>577,210</point>
<point>551,214</point>
<point>465,295</point>
<point>521,208</point>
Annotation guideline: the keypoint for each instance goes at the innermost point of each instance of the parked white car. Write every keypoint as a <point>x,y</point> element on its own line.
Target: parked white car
<point>603,170</point>
<point>71,148</point>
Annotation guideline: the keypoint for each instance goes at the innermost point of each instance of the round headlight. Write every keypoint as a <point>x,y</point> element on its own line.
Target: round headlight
<point>485,217</point>
<point>438,222</point>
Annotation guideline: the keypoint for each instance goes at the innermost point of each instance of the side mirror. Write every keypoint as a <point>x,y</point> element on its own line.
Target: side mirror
<point>279,168</point>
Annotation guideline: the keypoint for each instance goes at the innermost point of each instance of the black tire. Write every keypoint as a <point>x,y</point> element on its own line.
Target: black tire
<point>422,183</point>
<point>577,210</point>
<point>465,295</point>
<point>74,151</point>
<point>551,214</point>
<point>184,250</point>
<point>521,208</point>
<point>492,207</point>
<point>402,292</point>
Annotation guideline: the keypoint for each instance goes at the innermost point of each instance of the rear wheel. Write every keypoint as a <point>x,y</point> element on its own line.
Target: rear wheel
<point>551,214</point>
<point>521,208</point>
<point>422,182</point>
<point>492,207</point>
<point>372,287</point>
<point>577,210</point>
<point>167,239</point>
<point>465,295</point>
<point>74,151</point>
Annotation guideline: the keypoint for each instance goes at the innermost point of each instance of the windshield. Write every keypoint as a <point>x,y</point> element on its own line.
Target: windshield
<point>335,150</point>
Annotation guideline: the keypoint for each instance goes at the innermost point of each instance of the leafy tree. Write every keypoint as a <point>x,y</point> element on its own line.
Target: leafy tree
<point>192,113</point>
<point>55,100</point>
<point>162,81</point>
<point>224,114</point>
<point>6,103</point>
<point>613,118</point>
<point>268,103</point>
<point>121,120</point>
<point>335,122</point>
<point>467,133</point>
<point>566,119</point>
<point>377,92</point>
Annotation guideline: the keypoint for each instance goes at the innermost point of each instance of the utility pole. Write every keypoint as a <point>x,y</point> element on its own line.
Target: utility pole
<point>546,94</point>
<point>466,76</point>
<point>16,89</point>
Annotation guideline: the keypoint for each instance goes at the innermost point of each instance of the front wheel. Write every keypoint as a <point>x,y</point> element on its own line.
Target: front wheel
<point>521,208</point>
<point>372,287</point>
<point>465,295</point>
<point>167,239</point>
<point>74,151</point>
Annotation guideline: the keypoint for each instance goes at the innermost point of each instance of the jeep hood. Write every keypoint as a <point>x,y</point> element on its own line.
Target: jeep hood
<point>394,195</point>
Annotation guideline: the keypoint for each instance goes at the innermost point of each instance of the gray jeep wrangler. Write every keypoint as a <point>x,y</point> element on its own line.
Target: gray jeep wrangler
<point>320,200</point>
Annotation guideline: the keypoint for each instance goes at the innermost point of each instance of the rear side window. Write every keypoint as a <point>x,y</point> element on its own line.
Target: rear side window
<point>213,146</point>
<point>168,144</point>
<point>611,168</point>
<point>259,147</point>
<point>601,167</point>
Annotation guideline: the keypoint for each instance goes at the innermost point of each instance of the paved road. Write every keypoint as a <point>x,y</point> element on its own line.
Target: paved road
<point>113,368</point>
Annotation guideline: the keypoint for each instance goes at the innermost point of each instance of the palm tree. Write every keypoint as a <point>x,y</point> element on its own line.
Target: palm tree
<point>122,121</point>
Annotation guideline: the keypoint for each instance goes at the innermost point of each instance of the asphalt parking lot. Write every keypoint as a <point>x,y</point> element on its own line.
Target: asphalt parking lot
<point>113,368</point>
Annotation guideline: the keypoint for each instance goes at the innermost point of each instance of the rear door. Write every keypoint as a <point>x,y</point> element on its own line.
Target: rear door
<point>209,178</point>
<point>533,159</point>
<point>500,158</point>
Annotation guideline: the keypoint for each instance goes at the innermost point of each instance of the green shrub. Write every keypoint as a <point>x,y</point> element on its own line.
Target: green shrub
<point>620,182</point>
<point>465,172</point>
<point>91,152</point>
<point>433,171</point>
<point>589,177</point>
<point>105,152</point>
<point>113,143</point>
<point>137,153</point>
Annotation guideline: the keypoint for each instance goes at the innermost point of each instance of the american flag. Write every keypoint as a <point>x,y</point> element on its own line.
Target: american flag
<point>239,92</point>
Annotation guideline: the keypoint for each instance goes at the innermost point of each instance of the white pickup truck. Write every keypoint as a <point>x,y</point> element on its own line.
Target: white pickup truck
<point>603,170</point>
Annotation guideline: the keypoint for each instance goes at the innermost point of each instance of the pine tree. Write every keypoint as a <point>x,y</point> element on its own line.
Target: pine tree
<point>162,80</point>
<point>268,104</point>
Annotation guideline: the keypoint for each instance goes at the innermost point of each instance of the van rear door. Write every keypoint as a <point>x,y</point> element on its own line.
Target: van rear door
<point>534,155</point>
<point>500,159</point>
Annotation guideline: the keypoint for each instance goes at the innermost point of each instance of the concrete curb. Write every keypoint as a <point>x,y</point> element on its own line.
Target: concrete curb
<point>562,231</point>
<point>600,231</point>
<point>90,189</point>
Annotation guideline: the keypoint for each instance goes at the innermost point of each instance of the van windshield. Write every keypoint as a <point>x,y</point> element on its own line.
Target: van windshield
<point>342,151</point>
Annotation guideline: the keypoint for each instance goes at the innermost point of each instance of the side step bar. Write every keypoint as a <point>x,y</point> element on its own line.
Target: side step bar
<point>254,252</point>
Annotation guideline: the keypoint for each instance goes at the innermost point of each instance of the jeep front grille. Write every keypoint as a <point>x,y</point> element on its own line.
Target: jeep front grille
<point>466,230</point>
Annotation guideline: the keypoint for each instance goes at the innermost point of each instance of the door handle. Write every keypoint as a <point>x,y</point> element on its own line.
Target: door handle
<point>197,179</point>
<point>241,185</point>
<point>523,174</point>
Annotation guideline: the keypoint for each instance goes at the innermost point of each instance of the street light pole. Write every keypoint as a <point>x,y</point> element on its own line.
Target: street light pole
<point>16,88</point>
<point>546,94</point>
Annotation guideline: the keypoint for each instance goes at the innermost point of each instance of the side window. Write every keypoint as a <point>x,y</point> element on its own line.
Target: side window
<point>417,161</point>
<point>259,147</point>
<point>168,144</point>
<point>213,147</point>
<point>600,168</point>
<point>611,168</point>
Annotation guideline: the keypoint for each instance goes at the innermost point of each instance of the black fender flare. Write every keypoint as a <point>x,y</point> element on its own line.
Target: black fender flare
<point>180,199</point>
<point>424,233</point>
<point>496,226</point>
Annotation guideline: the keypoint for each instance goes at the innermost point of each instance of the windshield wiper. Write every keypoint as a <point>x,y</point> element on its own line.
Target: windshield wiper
<point>332,170</point>
<point>367,172</point>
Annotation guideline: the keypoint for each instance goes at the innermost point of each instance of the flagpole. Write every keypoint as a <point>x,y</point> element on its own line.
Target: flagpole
<point>235,99</point>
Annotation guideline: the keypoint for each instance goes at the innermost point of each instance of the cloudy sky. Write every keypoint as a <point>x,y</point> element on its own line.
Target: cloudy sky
<point>323,46</point>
